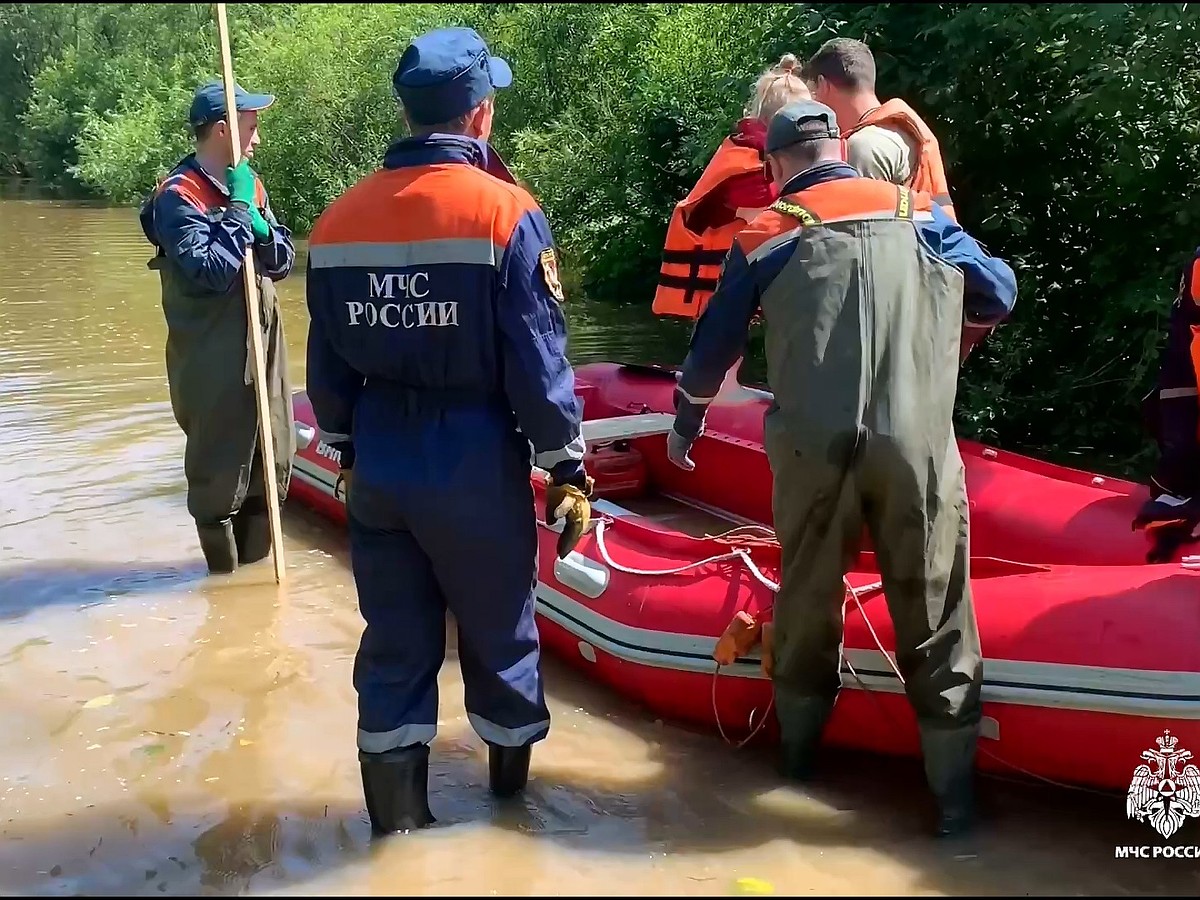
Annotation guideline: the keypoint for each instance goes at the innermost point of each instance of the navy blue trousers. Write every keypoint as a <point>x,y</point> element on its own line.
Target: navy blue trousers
<point>421,546</point>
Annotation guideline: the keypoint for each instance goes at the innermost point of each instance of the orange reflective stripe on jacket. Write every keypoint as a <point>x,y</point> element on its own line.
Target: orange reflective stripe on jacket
<point>929,175</point>
<point>841,200</point>
<point>202,193</point>
<point>691,263</point>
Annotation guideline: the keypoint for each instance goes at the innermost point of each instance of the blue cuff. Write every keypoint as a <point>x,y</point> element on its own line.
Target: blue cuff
<point>689,417</point>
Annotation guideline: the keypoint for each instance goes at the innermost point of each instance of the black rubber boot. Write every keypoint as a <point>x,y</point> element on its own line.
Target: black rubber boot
<point>252,531</point>
<point>220,551</point>
<point>801,723</point>
<point>508,769</point>
<point>396,788</point>
<point>950,768</point>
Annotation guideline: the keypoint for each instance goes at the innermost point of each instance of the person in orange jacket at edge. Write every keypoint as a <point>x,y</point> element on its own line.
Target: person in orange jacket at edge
<point>733,189</point>
<point>1171,516</point>
<point>887,141</point>
<point>436,357</point>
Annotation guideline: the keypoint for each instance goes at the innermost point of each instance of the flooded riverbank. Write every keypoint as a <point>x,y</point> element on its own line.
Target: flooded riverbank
<point>169,733</point>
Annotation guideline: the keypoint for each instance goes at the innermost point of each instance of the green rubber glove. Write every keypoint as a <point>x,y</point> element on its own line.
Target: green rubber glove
<point>259,225</point>
<point>241,190</point>
<point>241,183</point>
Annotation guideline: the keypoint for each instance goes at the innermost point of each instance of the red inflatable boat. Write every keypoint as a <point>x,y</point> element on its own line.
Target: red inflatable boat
<point>1090,655</point>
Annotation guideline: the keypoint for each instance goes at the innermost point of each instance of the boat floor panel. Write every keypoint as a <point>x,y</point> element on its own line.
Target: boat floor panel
<point>677,515</point>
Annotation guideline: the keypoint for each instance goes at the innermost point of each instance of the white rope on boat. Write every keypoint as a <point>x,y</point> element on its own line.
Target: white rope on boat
<point>736,553</point>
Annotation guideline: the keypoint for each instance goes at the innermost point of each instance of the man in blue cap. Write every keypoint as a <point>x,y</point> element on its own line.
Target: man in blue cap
<point>864,286</point>
<point>201,219</point>
<point>436,358</point>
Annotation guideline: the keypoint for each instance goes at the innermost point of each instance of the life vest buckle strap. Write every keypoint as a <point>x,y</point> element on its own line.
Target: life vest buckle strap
<point>694,257</point>
<point>688,283</point>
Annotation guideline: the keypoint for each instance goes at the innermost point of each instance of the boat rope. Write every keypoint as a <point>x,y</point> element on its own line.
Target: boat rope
<point>754,730</point>
<point>852,594</point>
<point>736,553</point>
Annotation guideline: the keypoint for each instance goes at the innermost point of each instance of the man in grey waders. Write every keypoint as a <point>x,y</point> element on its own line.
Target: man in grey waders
<point>863,287</point>
<point>201,219</point>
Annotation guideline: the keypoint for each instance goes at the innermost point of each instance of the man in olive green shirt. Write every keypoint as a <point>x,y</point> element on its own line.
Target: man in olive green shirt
<point>884,153</point>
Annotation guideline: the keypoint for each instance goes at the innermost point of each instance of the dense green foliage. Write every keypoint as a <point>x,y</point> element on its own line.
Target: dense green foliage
<point>1069,135</point>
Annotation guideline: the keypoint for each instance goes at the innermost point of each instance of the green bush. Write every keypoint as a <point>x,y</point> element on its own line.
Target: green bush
<point>1069,134</point>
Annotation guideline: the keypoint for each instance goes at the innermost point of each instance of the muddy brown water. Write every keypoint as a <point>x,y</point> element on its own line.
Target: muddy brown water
<point>168,733</point>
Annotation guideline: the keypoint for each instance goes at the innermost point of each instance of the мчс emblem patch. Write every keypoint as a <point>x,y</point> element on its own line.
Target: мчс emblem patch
<point>549,263</point>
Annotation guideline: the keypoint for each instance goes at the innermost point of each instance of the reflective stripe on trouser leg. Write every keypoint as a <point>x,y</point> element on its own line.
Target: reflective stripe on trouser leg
<point>508,737</point>
<point>404,643</point>
<point>485,555</point>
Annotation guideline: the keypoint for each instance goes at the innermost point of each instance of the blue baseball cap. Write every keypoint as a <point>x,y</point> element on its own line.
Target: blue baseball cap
<point>801,120</point>
<point>208,105</point>
<point>445,73</point>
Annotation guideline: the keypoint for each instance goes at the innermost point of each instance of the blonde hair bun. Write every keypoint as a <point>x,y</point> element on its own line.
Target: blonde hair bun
<point>775,88</point>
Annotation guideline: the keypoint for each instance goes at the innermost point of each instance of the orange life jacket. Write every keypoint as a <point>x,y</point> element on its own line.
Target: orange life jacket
<point>929,175</point>
<point>838,200</point>
<point>691,263</point>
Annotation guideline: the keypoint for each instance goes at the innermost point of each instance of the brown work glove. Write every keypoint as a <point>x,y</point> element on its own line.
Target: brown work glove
<point>570,502</point>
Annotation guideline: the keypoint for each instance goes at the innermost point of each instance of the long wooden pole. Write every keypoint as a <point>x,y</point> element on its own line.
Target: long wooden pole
<point>266,441</point>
